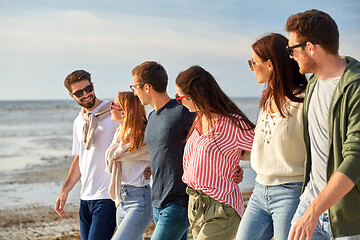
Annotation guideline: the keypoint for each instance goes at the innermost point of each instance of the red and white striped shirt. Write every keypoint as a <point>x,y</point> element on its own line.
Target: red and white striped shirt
<point>210,160</point>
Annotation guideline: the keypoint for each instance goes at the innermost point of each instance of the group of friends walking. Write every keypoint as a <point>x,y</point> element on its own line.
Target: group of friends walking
<point>304,148</point>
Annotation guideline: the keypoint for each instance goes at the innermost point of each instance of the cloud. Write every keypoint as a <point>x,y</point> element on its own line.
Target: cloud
<point>79,35</point>
<point>45,41</point>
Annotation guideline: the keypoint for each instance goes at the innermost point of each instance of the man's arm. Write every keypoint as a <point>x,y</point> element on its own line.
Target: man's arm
<point>71,179</point>
<point>337,187</point>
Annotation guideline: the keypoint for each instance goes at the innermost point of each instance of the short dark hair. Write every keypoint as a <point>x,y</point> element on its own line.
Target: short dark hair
<point>76,76</point>
<point>152,73</point>
<point>315,26</point>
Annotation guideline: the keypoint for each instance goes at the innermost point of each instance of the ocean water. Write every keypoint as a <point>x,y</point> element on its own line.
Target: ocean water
<point>33,133</point>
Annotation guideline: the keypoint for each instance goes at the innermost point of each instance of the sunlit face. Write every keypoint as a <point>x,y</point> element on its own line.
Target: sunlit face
<point>262,69</point>
<point>139,90</point>
<point>87,100</point>
<point>117,115</point>
<point>186,101</point>
<point>301,56</point>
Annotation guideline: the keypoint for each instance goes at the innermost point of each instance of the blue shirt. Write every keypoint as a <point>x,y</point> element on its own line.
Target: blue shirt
<point>165,136</point>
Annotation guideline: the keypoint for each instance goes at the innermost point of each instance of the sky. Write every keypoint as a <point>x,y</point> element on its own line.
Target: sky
<point>42,41</point>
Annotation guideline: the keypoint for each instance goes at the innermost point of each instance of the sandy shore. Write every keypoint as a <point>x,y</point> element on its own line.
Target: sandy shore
<point>40,221</point>
<point>37,221</point>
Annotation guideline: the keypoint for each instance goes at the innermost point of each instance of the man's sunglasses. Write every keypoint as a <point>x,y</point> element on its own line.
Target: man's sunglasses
<point>179,99</point>
<point>113,106</point>
<point>290,50</point>
<point>133,87</point>
<point>80,93</point>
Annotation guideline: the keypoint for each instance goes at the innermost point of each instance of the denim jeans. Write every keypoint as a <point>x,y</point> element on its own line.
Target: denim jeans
<point>134,214</point>
<point>269,212</point>
<point>323,229</point>
<point>97,219</point>
<point>171,223</point>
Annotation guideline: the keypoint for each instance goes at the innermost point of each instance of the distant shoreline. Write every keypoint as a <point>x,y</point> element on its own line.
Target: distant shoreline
<point>253,98</point>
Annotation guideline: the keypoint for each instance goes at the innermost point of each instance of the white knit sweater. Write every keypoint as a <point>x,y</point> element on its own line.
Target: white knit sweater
<point>278,151</point>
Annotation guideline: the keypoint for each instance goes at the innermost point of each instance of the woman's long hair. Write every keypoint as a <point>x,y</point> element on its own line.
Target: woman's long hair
<point>135,121</point>
<point>286,81</point>
<point>208,97</point>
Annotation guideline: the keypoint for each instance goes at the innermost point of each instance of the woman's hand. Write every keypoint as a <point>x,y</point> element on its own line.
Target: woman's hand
<point>238,175</point>
<point>147,173</point>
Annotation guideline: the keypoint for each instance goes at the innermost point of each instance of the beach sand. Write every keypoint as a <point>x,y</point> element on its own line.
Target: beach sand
<point>40,221</point>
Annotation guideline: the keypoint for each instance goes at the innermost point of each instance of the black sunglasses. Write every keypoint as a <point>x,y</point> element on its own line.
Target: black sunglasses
<point>80,93</point>
<point>290,50</point>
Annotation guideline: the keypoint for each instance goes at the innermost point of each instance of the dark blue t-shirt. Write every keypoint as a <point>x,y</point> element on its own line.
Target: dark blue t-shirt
<point>165,136</point>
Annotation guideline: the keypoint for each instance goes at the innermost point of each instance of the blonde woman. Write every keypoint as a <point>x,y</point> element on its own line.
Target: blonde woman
<point>126,159</point>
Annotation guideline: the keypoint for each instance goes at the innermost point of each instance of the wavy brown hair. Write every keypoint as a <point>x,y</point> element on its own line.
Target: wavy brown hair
<point>208,97</point>
<point>286,81</point>
<point>133,129</point>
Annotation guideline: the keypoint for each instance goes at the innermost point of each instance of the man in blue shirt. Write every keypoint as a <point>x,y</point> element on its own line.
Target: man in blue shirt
<point>165,136</point>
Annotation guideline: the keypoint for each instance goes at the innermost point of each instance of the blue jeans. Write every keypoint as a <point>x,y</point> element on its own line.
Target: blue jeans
<point>134,214</point>
<point>323,229</point>
<point>269,212</point>
<point>97,219</point>
<point>171,223</point>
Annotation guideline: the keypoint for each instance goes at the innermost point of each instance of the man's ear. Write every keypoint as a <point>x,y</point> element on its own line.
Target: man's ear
<point>311,47</point>
<point>147,87</point>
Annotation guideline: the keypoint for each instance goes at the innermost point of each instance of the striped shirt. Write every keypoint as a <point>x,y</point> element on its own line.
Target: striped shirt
<point>210,160</point>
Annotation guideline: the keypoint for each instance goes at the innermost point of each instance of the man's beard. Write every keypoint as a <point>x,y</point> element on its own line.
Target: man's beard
<point>88,105</point>
<point>308,65</point>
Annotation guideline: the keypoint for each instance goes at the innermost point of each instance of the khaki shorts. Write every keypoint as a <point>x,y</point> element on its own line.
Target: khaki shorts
<point>209,218</point>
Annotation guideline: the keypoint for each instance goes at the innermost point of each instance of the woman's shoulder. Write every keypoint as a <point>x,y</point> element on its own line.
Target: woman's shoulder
<point>234,120</point>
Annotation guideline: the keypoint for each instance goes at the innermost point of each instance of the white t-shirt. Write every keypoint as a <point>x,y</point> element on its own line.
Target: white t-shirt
<point>318,117</point>
<point>132,164</point>
<point>94,180</point>
<point>133,173</point>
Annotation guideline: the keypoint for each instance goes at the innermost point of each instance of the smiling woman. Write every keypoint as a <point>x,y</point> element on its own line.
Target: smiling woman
<point>126,159</point>
<point>278,163</point>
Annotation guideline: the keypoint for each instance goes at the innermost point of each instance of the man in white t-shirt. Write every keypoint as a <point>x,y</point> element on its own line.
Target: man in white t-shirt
<point>329,205</point>
<point>93,132</point>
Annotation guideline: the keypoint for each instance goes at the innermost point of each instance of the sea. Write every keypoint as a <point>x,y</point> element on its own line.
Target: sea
<point>39,133</point>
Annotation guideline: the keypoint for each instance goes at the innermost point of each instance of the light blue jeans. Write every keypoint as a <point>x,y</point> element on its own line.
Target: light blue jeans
<point>171,223</point>
<point>322,230</point>
<point>134,214</point>
<point>269,212</point>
